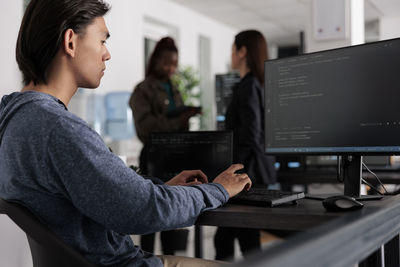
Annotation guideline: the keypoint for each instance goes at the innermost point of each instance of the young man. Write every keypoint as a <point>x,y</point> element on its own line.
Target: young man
<point>53,163</point>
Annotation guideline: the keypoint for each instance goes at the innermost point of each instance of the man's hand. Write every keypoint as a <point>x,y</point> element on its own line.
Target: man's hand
<point>189,178</point>
<point>233,182</point>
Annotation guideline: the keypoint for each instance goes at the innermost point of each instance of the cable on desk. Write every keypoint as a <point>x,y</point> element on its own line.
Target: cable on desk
<point>339,175</point>
<point>373,187</point>
<point>384,188</point>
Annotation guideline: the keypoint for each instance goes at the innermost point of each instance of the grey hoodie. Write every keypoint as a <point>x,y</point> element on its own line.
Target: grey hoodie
<point>53,163</point>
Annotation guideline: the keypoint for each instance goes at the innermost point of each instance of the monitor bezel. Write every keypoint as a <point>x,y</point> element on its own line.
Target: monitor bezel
<point>320,152</point>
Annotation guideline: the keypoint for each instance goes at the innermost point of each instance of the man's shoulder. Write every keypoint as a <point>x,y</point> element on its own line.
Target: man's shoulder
<point>52,115</point>
<point>68,121</point>
<point>36,111</point>
<point>56,112</point>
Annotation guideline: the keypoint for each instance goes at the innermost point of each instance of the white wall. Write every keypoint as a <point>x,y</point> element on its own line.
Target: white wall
<point>353,20</point>
<point>126,23</point>
<point>14,249</point>
<point>389,28</point>
<point>10,19</point>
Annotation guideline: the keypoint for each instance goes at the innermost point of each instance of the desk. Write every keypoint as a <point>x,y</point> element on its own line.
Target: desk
<point>306,214</point>
<point>378,220</point>
<point>329,175</point>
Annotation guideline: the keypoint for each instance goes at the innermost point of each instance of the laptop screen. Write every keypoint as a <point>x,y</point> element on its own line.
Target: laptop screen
<point>169,153</point>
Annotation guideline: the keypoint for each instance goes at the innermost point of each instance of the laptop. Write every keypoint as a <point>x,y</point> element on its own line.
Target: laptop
<point>169,153</point>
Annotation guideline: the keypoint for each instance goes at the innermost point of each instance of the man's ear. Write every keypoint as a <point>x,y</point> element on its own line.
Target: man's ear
<point>69,42</point>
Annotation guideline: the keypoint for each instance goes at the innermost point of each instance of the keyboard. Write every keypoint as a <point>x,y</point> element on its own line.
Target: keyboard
<point>261,196</point>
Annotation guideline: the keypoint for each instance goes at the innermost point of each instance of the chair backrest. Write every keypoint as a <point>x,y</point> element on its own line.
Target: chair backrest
<point>46,248</point>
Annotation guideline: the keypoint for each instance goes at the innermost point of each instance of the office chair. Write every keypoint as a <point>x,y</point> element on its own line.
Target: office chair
<point>46,248</point>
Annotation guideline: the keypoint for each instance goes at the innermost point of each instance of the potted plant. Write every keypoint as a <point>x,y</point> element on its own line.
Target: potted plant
<point>187,82</point>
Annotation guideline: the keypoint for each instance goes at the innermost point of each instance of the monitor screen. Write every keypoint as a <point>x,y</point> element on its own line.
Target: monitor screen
<point>170,153</point>
<point>340,101</point>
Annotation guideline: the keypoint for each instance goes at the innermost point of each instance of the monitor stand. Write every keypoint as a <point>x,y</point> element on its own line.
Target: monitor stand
<point>352,173</point>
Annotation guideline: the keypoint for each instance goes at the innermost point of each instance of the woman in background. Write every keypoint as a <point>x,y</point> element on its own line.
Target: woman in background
<point>156,97</point>
<point>245,117</point>
<point>152,102</point>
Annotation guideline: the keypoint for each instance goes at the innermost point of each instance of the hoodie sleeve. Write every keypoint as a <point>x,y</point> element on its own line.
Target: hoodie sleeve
<point>101,187</point>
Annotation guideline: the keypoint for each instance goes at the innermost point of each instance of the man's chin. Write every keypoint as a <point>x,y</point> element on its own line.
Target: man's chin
<point>91,85</point>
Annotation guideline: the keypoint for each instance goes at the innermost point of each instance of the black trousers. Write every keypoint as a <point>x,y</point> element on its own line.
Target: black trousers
<point>249,241</point>
<point>143,160</point>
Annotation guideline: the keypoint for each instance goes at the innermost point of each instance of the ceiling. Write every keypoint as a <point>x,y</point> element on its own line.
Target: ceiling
<point>280,20</point>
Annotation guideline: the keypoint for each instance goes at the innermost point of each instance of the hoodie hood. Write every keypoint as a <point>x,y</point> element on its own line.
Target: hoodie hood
<point>10,104</point>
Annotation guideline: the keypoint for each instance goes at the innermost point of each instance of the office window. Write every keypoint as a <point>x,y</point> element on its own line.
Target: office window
<point>149,45</point>
<point>153,31</point>
<point>206,84</point>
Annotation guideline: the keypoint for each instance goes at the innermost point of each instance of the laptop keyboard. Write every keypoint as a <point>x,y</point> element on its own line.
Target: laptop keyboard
<point>261,196</point>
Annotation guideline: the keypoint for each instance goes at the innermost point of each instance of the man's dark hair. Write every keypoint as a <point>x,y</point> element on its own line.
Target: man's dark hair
<point>165,44</point>
<point>257,53</point>
<point>42,32</point>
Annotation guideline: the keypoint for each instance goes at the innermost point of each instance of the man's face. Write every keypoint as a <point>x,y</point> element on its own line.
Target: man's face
<point>91,54</point>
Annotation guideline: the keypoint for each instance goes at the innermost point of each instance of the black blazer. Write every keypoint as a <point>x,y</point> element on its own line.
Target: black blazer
<point>245,117</point>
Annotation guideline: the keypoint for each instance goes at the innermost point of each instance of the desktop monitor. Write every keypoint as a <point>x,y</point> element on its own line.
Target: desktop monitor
<point>335,102</point>
<point>169,153</point>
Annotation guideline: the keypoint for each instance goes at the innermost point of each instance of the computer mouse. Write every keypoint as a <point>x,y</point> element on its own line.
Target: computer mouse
<point>341,203</point>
